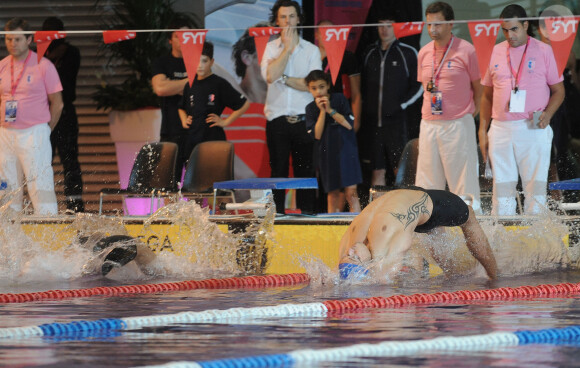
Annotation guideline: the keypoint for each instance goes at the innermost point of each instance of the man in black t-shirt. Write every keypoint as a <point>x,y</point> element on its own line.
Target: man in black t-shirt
<point>169,78</point>
<point>202,104</point>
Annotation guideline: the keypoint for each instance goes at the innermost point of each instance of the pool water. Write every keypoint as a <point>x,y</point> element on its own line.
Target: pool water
<point>245,337</point>
<point>29,267</point>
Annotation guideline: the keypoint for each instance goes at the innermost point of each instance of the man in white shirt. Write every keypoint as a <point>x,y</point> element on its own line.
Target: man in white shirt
<point>287,60</point>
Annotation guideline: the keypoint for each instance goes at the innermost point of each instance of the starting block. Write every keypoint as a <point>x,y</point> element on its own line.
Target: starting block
<point>572,184</point>
<point>260,190</point>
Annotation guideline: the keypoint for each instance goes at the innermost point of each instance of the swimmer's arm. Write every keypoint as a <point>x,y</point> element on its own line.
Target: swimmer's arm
<point>478,245</point>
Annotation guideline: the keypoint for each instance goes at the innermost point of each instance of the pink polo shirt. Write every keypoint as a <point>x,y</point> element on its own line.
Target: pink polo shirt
<point>460,68</point>
<point>538,73</point>
<point>37,82</point>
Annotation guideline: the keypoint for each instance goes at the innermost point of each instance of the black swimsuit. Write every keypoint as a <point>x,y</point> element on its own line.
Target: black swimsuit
<point>448,210</point>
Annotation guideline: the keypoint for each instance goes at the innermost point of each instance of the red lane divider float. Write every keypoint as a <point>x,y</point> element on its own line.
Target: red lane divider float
<point>457,296</point>
<point>301,278</point>
<point>229,283</point>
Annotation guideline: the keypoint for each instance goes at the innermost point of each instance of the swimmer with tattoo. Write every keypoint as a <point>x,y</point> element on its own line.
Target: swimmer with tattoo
<point>378,238</point>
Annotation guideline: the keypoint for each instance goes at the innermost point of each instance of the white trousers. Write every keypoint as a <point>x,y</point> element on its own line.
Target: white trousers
<point>516,148</point>
<point>448,154</point>
<point>28,151</point>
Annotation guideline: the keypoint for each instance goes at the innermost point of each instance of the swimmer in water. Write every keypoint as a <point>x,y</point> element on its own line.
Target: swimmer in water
<point>378,238</point>
<point>117,256</point>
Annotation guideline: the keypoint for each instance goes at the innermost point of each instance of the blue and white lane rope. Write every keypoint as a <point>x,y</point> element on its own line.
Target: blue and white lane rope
<point>392,349</point>
<point>130,323</point>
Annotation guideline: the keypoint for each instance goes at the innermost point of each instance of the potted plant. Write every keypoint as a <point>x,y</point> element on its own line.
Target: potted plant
<point>134,114</point>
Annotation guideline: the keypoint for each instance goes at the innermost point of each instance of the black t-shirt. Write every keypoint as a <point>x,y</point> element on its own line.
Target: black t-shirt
<point>348,67</point>
<point>67,60</point>
<point>173,68</point>
<point>210,95</point>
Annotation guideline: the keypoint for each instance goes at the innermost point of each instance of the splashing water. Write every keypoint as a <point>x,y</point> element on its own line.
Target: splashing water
<point>204,249</point>
<point>537,246</point>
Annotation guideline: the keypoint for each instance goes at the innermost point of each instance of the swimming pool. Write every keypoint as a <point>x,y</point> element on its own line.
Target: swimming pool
<point>241,337</point>
<point>236,337</point>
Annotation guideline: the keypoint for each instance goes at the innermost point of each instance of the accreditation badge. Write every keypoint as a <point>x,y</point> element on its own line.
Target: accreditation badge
<point>436,103</point>
<point>517,101</point>
<point>11,109</point>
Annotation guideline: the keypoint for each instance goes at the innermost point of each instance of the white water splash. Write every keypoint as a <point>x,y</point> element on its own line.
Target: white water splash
<point>217,254</point>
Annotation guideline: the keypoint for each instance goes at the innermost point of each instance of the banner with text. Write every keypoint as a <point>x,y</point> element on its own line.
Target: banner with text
<point>344,12</point>
<point>43,40</point>
<point>405,29</point>
<point>483,35</point>
<point>561,33</point>
<point>335,39</point>
<point>191,48</point>
<point>118,36</point>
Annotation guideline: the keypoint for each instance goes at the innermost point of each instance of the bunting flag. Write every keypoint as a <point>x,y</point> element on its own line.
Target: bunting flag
<point>344,12</point>
<point>43,40</point>
<point>483,35</point>
<point>261,37</point>
<point>561,32</point>
<point>334,39</point>
<point>118,36</point>
<point>191,47</point>
<point>405,29</point>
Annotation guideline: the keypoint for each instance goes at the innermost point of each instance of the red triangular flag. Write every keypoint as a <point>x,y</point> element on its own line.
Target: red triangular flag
<point>405,29</point>
<point>118,35</point>
<point>483,35</point>
<point>191,46</point>
<point>334,39</point>
<point>43,40</point>
<point>561,32</point>
<point>261,37</point>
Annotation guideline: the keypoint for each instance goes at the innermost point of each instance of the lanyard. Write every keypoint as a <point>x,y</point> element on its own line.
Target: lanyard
<point>517,75</point>
<point>15,84</point>
<point>435,74</point>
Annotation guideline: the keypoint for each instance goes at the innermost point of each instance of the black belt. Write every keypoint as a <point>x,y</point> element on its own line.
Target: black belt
<point>292,119</point>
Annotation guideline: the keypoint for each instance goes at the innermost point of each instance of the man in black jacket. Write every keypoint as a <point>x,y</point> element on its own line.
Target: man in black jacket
<point>389,86</point>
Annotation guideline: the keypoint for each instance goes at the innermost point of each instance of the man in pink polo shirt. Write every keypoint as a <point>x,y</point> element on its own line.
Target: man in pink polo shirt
<point>449,73</point>
<point>31,106</point>
<point>522,91</point>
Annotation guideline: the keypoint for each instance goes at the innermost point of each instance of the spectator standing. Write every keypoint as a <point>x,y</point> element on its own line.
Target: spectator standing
<point>286,62</point>
<point>348,82</point>
<point>389,86</point>
<point>449,73</point>
<point>31,105</point>
<point>522,91</point>
<point>202,104</point>
<point>331,122</point>
<point>169,79</point>
<point>64,138</point>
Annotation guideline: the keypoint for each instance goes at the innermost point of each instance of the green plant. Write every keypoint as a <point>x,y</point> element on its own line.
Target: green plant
<point>134,56</point>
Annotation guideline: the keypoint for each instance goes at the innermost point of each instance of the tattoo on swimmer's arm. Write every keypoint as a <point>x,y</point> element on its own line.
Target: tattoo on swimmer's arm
<point>399,216</point>
<point>413,212</point>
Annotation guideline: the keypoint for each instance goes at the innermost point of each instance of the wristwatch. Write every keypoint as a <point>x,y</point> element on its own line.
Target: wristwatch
<point>332,113</point>
<point>284,79</point>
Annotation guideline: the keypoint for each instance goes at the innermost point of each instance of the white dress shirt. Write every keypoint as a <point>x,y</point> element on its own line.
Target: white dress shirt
<point>282,99</point>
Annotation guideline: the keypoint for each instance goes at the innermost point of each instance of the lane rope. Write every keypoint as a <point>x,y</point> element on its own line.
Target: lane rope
<point>228,283</point>
<point>320,309</point>
<point>392,349</point>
